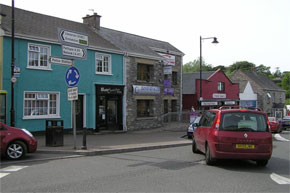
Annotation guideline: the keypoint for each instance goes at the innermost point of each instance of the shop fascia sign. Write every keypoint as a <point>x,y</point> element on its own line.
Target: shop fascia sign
<point>146,90</point>
<point>219,96</point>
<point>209,103</point>
<point>230,102</point>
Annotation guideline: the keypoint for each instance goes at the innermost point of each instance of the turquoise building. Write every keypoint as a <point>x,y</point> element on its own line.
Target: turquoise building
<point>41,91</point>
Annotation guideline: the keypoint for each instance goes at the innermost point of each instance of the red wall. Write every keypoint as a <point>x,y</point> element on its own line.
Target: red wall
<point>210,86</point>
<point>189,100</point>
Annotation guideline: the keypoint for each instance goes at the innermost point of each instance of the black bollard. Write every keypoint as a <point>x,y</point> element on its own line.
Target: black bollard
<point>84,146</point>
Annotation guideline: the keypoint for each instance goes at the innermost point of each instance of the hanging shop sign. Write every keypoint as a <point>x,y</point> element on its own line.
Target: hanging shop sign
<point>146,90</point>
<point>167,70</point>
<point>168,91</point>
<point>169,59</point>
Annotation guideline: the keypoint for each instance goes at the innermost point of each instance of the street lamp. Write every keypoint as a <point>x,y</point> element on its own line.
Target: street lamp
<point>200,65</point>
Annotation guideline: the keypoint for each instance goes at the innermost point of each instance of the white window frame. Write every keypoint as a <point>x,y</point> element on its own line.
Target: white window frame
<point>100,57</point>
<point>48,67</point>
<point>41,95</point>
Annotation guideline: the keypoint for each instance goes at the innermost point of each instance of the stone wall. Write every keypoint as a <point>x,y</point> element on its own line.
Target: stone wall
<point>134,122</point>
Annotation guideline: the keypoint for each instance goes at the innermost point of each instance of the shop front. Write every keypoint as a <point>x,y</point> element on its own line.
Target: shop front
<point>109,107</point>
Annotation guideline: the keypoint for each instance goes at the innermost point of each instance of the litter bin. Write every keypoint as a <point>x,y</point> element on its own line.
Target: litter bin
<point>54,133</point>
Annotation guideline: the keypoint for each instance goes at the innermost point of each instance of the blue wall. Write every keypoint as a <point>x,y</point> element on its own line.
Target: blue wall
<point>54,80</point>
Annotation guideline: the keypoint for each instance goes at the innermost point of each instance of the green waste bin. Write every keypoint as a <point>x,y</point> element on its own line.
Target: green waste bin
<point>54,133</point>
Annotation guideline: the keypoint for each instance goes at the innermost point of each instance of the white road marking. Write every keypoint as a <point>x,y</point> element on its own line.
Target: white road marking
<point>12,168</point>
<point>280,138</point>
<point>280,179</point>
<point>3,174</point>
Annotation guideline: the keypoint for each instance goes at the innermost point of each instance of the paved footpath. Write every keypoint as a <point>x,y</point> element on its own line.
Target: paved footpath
<point>170,135</point>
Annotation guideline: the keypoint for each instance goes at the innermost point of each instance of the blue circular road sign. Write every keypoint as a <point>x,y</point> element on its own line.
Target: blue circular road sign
<point>72,76</point>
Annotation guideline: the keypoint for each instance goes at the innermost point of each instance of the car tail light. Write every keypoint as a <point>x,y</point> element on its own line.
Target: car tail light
<point>217,125</point>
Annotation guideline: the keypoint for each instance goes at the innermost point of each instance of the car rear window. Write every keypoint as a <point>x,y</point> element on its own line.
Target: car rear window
<point>243,121</point>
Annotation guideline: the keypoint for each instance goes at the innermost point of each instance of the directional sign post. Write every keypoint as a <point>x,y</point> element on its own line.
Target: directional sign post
<point>66,36</point>
<point>61,61</point>
<point>72,76</point>
<point>74,52</point>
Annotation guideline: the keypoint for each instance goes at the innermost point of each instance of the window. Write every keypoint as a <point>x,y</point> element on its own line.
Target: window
<point>144,72</point>
<point>174,106</point>
<point>38,56</point>
<point>144,108</point>
<point>103,63</point>
<point>41,105</point>
<point>221,86</point>
<point>174,78</point>
<point>207,119</point>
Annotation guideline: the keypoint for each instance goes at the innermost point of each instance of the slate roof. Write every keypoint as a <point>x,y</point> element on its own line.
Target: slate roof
<point>263,81</point>
<point>44,27</point>
<point>188,81</point>
<point>135,44</point>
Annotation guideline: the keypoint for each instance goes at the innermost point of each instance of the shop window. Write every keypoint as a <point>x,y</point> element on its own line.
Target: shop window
<point>174,78</point>
<point>103,64</point>
<point>221,86</point>
<point>41,105</point>
<point>144,72</point>
<point>38,56</point>
<point>144,108</point>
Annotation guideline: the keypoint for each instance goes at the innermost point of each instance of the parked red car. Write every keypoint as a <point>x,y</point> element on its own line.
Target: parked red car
<point>237,133</point>
<point>15,142</point>
<point>275,125</point>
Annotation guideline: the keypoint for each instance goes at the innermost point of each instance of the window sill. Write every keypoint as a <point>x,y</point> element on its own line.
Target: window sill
<point>40,117</point>
<point>32,68</point>
<point>105,74</point>
<point>145,118</point>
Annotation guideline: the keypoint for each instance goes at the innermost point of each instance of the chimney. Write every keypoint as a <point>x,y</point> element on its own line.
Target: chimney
<point>93,20</point>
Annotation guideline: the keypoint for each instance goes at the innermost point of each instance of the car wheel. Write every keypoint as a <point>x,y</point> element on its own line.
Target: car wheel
<point>262,162</point>
<point>208,159</point>
<point>194,148</point>
<point>16,150</point>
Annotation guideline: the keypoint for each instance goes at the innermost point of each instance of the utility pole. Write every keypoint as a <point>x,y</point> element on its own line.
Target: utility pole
<point>12,112</point>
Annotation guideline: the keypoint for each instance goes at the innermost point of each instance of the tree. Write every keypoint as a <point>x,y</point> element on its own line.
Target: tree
<point>194,66</point>
<point>278,73</point>
<point>286,81</point>
<point>242,65</point>
<point>261,69</point>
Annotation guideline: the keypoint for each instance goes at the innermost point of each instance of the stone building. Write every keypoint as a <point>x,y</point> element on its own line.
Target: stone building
<point>153,71</point>
<point>269,97</point>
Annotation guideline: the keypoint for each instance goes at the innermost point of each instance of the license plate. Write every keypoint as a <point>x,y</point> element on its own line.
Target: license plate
<point>245,146</point>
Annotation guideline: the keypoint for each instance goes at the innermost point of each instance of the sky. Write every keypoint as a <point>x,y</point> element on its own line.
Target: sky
<point>256,31</point>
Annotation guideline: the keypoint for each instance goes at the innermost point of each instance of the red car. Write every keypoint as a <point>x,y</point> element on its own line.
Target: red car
<point>275,125</point>
<point>236,133</point>
<point>15,143</point>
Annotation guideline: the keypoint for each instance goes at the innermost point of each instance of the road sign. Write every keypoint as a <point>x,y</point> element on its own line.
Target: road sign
<point>72,76</point>
<point>74,52</point>
<point>66,36</point>
<point>61,61</point>
<point>72,93</point>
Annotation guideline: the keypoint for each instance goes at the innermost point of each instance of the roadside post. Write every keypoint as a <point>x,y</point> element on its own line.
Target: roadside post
<point>72,77</point>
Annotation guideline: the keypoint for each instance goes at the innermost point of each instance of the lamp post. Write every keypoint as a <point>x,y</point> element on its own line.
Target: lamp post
<point>200,65</point>
<point>12,111</point>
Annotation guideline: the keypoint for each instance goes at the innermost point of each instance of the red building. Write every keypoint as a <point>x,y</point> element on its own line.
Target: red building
<point>217,90</point>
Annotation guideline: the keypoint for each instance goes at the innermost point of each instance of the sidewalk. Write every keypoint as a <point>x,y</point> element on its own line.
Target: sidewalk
<point>170,135</point>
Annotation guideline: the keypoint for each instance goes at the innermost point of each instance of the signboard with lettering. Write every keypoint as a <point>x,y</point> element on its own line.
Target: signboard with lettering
<point>69,37</point>
<point>167,70</point>
<point>74,52</point>
<point>72,93</point>
<point>146,90</point>
<point>209,103</point>
<point>219,96</point>
<point>169,59</point>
